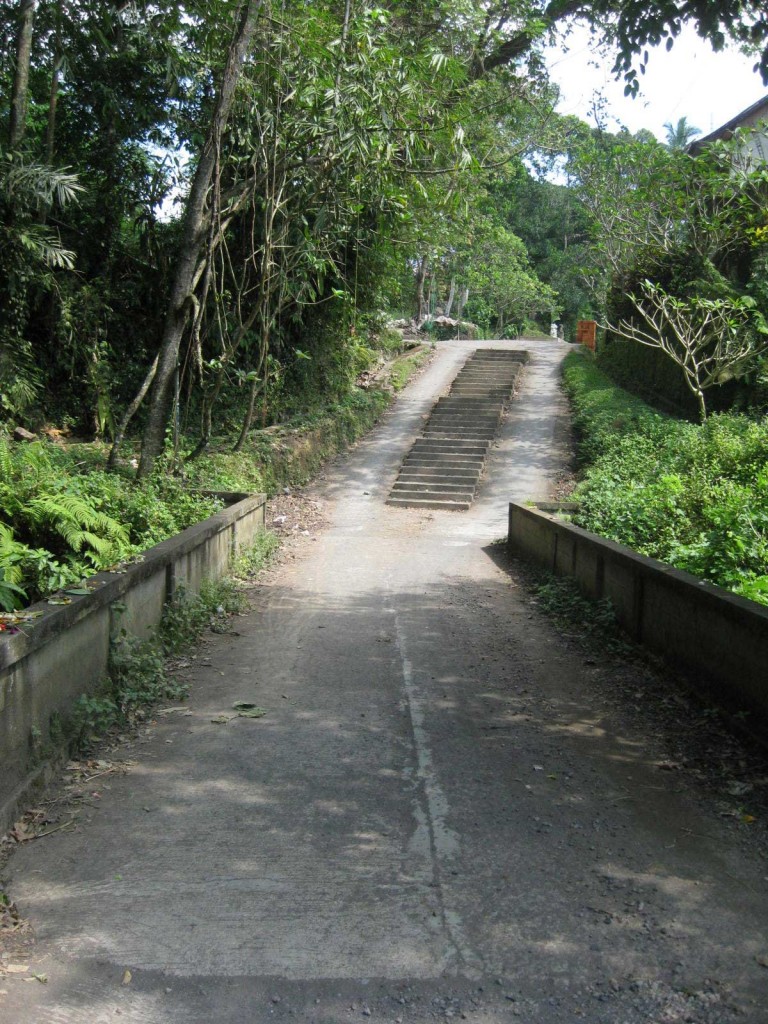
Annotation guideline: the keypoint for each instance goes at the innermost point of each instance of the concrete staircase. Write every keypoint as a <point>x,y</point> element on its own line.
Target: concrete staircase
<point>444,467</point>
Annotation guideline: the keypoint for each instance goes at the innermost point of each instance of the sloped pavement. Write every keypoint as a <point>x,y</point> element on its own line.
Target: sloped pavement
<point>442,815</point>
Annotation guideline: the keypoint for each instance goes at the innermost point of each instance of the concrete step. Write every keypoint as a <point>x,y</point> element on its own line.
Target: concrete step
<point>412,501</point>
<point>485,378</point>
<point>472,406</point>
<point>467,402</point>
<point>454,424</point>
<point>454,461</point>
<point>436,485</point>
<point>500,369</point>
<point>521,355</point>
<point>464,469</point>
<point>492,379</point>
<point>444,462</point>
<point>433,487</point>
<point>488,370</point>
<point>428,466</point>
<point>477,448</point>
<point>440,476</point>
<point>444,458</point>
<point>458,445</point>
<point>460,424</point>
<point>491,409</point>
<point>447,435</point>
<point>473,389</point>
<point>449,416</point>
<point>459,432</point>
<point>489,387</point>
<point>488,429</point>
<point>444,466</point>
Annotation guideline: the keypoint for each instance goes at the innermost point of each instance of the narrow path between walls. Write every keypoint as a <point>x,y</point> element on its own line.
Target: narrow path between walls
<point>444,814</point>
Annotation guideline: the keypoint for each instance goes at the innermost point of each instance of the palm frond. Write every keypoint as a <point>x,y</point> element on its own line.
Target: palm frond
<point>29,185</point>
<point>46,246</point>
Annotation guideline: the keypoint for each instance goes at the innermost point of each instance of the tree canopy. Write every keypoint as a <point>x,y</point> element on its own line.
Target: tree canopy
<point>201,202</point>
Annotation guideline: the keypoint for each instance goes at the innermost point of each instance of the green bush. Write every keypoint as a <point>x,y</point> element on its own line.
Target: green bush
<point>61,519</point>
<point>693,496</point>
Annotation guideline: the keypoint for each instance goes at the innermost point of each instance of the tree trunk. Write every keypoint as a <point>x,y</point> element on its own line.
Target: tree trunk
<point>451,297</point>
<point>262,367</point>
<point>20,87</point>
<point>701,402</point>
<point>53,101</point>
<point>129,413</point>
<point>192,240</point>
<point>248,418</point>
<point>463,300</point>
<point>421,276</point>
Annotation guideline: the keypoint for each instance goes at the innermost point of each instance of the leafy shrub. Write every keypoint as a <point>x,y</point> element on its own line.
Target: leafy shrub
<point>188,615</point>
<point>693,496</point>
<point>61,519</point>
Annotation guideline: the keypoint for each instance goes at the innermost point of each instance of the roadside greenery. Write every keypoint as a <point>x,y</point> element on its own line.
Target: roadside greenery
<point>680,256</point>
<point>141,671</point>
<point>63,518</point>
<point>208,213</point>
<point>205,207</point>
<point>695,496</point>
<point>140,676</point>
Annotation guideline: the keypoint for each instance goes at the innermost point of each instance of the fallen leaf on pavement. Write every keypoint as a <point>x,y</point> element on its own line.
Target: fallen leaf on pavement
<point>252,712</point>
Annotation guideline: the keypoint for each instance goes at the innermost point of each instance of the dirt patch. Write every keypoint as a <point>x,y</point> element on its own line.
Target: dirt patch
<point>296,519</point>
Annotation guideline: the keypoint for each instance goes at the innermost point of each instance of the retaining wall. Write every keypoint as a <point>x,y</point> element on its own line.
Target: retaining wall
<point>54,659</point>
<point>719,640</point>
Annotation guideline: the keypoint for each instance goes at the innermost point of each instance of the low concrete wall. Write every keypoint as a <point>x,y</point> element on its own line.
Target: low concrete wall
<point>701,628</point>
<point>45,667</point>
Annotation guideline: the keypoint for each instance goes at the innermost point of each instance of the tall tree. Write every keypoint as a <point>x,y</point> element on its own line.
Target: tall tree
<point>25,16</point>
<point>195,222</point>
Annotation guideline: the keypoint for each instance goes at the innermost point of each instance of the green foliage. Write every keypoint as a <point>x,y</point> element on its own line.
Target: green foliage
<point>555,228</point>
<point>680,248</point>
<point>693,496</point>
<point>356,146</point>
<point>594,621</point>
<point>402,369</point>
<point>251,561</point>
<point>92,717</point>
<point>61,520</point>
<point>291,454</point>
<point>139,677</point>
<point>58,536</point>
<point>12,555</point>
<point>680,134</point>
<point>188,615</point>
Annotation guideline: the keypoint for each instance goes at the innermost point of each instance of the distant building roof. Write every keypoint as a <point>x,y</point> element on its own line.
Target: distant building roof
<point>752,115</point>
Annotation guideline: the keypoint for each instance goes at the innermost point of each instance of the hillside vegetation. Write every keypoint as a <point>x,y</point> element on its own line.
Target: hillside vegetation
<point>695,496</point>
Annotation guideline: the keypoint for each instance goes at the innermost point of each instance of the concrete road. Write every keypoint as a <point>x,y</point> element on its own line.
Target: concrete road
<point>442,815</point>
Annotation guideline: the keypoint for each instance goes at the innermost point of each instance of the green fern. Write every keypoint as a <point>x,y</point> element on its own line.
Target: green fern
<point>6,461</point>
<point>11,554</point>
<point>23,466</point>
<point>80,526</point>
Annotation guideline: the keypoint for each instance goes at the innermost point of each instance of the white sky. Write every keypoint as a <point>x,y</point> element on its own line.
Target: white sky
<point>689,81</point>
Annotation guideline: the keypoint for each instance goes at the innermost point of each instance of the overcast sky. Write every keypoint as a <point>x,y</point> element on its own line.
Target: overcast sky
<point>689,81</point>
